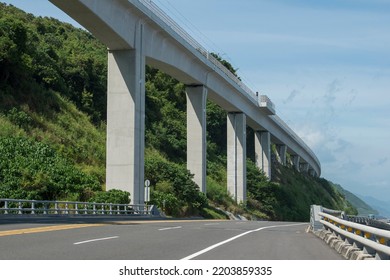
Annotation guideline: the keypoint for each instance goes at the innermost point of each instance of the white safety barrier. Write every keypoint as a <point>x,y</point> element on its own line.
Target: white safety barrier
<point>44,207</point>
<point>353,240</point>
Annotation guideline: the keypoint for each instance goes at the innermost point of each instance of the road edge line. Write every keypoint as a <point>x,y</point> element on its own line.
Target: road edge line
<point>190,257</point>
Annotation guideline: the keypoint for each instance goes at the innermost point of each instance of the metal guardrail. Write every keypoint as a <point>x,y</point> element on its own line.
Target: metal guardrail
<point>159,13</point>
<point>372,241</point>
<point>337,213</point>
<point>44,207</point>
<point>368,221</point>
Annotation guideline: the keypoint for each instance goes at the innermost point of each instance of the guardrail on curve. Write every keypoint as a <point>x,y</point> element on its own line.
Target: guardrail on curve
<point>348,237</point>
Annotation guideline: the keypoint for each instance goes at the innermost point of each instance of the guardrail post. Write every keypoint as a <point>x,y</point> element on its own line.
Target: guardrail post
<point>6,207</point>
<point>315,218</point>
<point>33,208</point>
<point>20,208</point>
<point>94,209</point>
<point>110,208</point>
<point>368,250</point>
<point>76,207</point>
<point>66,208</point>
<point>45,208</point>
<point>56,207</point>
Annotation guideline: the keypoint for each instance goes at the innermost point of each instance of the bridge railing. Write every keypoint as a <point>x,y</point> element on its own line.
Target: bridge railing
<point>195,44</point>
<point>347,236</point>
<point>45,207</point>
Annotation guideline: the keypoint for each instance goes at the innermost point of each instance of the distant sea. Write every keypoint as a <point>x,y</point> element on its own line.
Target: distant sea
<point>383,207</point>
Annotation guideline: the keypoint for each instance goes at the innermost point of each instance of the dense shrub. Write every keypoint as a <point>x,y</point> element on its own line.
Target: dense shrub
<point>161,172</point>
<point>30,169</point>
<point>111,196</point>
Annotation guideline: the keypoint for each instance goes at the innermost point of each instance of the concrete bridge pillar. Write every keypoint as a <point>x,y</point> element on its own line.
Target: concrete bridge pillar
<point>304,167</point>
<point>236,156</point>
<point>263,151</point>
<point>295,160</point>
<point>126,121</point>
<point>282,154</point>
<point>196,134</point>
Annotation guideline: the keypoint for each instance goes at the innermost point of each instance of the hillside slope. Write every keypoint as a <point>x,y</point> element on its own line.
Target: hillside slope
<point>361,206</point>
<point>52,131</point>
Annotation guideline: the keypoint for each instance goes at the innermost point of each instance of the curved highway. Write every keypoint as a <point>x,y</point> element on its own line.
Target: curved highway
<point>48,238</point>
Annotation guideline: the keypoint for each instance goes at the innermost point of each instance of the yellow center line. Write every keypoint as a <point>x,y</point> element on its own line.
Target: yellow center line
<point>46,229</point>
<point>76,226</point>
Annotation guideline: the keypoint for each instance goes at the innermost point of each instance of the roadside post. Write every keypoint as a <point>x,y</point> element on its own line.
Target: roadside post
<point>147,193</point>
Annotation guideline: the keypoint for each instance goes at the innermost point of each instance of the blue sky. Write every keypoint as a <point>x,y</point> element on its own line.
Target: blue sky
<point>325,65</point>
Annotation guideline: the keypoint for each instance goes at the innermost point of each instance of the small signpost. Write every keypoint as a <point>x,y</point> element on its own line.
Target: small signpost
<point>147,191</point>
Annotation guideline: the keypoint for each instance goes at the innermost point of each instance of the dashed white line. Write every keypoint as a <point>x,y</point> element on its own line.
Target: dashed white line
<point>169,228</point>
<point>190,257</point>
<point>95,240</point>
<point>211,224</point>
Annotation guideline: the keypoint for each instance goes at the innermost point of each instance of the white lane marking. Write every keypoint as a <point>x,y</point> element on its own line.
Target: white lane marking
<point>233,238</point>
<point>94,240</point>
<point>211,224</point>
<point>169,228</point>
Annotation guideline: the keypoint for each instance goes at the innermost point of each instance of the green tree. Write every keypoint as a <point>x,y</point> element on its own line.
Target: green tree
<point>227,64</point>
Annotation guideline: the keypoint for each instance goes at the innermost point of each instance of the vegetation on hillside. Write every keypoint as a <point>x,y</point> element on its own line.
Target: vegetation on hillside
<point>362,207</point>
<point>52,132</point>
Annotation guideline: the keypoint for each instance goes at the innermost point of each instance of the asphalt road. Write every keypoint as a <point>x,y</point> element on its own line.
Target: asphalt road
<point>114,239</point>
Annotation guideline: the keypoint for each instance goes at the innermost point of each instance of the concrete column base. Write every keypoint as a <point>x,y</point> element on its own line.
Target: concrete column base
<point>263,152</point>
<point>296,161</point>
<point>236,156</point>
<point>126,121</point>
<point>196,134</point>
<point>282,154</point>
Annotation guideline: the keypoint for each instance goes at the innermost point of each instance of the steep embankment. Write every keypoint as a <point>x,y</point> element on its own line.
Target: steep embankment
<point>52,131</point>
<point>361,206</point>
